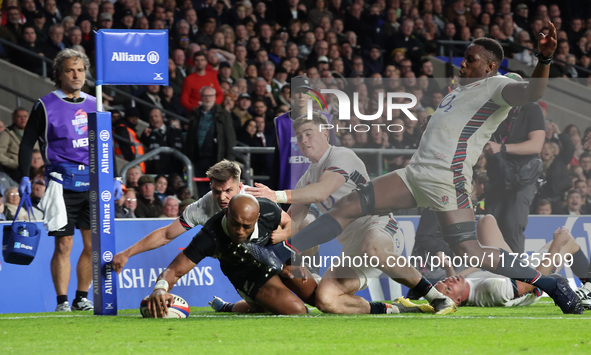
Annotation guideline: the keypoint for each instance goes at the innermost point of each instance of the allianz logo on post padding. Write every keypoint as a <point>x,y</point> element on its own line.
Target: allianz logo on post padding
<point>152,57</point>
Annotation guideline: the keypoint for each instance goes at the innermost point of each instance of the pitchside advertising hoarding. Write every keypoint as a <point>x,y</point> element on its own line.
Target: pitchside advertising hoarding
<point>32,289</point>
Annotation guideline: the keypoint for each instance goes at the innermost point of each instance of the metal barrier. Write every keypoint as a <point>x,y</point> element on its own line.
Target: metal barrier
<point>18,95</point>
<point>379,156</point>
<point>163,150</point>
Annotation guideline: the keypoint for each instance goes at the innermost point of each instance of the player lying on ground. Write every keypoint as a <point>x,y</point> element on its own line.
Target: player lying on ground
<point>334,173</point>
<point>475,287</point>
<point>440,172</point>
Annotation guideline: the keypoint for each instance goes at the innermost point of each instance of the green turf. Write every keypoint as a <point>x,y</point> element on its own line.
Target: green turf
<point>539,328</point>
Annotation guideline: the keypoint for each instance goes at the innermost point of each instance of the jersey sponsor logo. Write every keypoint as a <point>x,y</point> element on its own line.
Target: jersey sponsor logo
<point>80,122</point>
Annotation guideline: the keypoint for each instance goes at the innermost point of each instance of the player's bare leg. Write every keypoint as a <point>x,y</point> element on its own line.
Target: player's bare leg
<point>336,293</point>
<point>84,266</point>
<point>276,298</point>
<point>60,264</point>
<point>378,245</point>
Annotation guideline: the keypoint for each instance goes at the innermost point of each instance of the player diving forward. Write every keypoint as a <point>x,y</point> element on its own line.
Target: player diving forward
<point>439,174</point>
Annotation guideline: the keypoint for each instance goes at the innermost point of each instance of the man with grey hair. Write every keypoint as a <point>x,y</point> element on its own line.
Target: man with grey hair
<point>59,121</point>
<point>170,207</point>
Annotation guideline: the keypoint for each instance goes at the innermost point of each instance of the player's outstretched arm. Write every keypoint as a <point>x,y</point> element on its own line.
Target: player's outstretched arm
<point>317,192</point>
<point>518,94</point>
<point>155,239</point>
<point>160,298</point>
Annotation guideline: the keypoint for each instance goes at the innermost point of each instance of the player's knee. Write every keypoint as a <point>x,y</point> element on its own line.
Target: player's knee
<point>487,220</point>
<point>63,245</point>
<point>456,235</point>
<point>292,306</point>
<point>366,196</point>
<point>327,300</point>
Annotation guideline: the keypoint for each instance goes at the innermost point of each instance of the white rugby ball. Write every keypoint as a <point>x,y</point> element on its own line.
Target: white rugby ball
<point>178,309</point>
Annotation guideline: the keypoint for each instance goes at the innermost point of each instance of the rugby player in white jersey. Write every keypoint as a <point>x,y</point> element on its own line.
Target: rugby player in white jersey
<point>333,173</point>
<point>476,287</point>
<point>439,175</point>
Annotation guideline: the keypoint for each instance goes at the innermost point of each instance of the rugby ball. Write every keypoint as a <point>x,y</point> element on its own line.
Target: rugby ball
<point>178,309</point>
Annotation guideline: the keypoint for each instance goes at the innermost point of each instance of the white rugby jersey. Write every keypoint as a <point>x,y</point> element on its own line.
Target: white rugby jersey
<point>491,290</point>
<point>201,210</point>
<point>340,160</point>
<point>461,126</point>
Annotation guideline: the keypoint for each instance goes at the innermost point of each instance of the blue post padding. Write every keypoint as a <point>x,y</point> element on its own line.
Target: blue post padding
<point>102,213</point>
<point>128,57</point>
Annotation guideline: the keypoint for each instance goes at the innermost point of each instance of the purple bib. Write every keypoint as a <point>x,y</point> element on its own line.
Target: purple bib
<point>66,134</point>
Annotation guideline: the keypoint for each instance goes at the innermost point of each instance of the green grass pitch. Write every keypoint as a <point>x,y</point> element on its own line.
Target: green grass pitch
<point>540,328</point>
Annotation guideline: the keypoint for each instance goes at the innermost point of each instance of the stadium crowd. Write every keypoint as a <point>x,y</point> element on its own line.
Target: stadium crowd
<point>231,62</point>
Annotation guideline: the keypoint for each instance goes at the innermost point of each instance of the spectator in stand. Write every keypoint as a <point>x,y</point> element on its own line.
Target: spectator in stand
<point>37,193</point>
<point>133,176</point>
<point>211,135</point>
<point>161,135</point>
<point>125,208</point>
<point>192,85</point>
<point>241,113</point>
<point>582,187</point>
<point>585,163</point>
<point>543,207</point>
<point>55,42</point>
<point>148,205</point>
<point>555,169</point>
<point>152,96</point>
<point>130,146</point>
<point>407,40</point>
<point>10,141</point>
<point>52,13</point>
<point>183,193</point>
<point>573,205</point>
<point>12,200</point>
<point>37,170</point>
<point>161,187</point>
<point>29,42</point>
<point>14,23</point>
<point>170,207</point>
<point>28,10</point>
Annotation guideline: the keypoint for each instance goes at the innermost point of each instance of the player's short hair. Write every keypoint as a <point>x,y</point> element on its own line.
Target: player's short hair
<point>317,118</point>
<point>60,59</point>
<point>223,171</point>
<point>492,46</point>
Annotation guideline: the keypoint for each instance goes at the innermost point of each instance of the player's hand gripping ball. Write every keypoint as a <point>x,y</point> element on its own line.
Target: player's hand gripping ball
<point>178,309</point>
